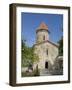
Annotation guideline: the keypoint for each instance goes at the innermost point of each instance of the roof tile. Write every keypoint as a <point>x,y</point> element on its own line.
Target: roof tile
<point>43,26</point>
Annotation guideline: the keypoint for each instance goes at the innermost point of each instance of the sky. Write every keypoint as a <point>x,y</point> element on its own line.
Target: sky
<point>31,21</point>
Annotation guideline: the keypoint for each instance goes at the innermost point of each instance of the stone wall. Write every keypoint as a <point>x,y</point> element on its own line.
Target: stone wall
<point>40,36</point>
<point>40,50</point>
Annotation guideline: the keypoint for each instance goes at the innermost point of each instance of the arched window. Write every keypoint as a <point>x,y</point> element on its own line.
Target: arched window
<point>46,65</point>
<point>47,52</point>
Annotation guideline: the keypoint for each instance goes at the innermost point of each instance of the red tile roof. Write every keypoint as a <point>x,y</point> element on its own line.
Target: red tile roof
<point>43,26</point>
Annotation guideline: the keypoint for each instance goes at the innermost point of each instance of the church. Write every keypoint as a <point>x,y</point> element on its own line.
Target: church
<point>46,50</point>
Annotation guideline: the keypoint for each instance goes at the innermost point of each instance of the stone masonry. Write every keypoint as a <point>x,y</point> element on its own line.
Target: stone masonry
<point>44,48</point>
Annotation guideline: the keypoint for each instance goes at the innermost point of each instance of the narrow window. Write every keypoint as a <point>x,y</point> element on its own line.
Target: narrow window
<point>47,52</point>
<point>43,37</point>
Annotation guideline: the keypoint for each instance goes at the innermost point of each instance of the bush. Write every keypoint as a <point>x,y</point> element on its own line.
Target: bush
<point>27,74</point>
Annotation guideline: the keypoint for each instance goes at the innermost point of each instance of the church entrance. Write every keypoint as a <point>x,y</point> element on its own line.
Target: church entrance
<point>46,65</point>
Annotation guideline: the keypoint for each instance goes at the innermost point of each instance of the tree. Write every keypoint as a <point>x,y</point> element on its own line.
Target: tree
<point>24,54</point>
<point>61,46</point>
<point>28,55</point>
<point>60,42</point>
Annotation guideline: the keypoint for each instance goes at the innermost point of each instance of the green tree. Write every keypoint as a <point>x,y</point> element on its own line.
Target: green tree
<point>60,42</point>
<point>61,46</point>
<point>28,55</point>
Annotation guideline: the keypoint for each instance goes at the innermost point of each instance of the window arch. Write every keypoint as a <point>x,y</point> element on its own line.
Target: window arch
<point>46,65</point>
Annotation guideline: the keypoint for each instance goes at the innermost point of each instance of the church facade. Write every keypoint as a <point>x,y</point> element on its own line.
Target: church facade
<point>46,50</point>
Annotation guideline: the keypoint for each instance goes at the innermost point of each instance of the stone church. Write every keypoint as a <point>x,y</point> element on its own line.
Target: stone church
<point>46,50</point>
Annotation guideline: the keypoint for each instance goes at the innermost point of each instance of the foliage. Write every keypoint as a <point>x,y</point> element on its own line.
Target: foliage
<point>33,73</point>
<point>28,56</point>
<point>61,46</point>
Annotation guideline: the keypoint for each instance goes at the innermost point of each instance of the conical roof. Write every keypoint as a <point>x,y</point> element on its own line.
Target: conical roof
<point>43,26</point>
